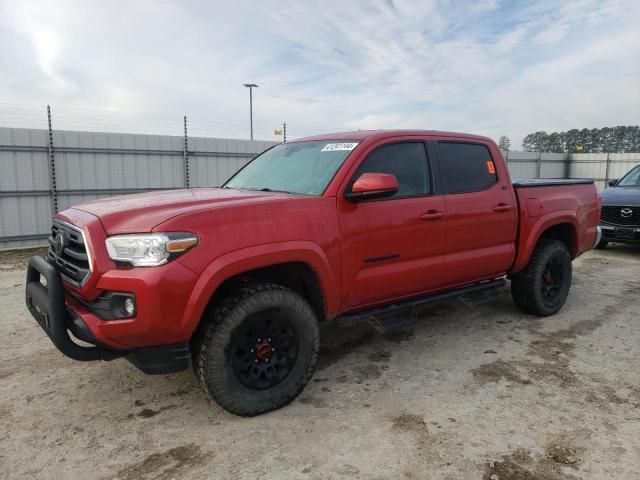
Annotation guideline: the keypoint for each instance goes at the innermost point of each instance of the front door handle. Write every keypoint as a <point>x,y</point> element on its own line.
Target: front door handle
<point>502,207</point>
<point>432,215</point>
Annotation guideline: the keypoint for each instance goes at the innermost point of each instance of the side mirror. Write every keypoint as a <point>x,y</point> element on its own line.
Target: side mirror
<point>372,185</point>
<point>613,183</point>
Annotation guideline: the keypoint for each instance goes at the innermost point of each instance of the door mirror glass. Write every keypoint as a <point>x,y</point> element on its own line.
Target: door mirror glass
<point>373,185</point>
<point>613,183</point>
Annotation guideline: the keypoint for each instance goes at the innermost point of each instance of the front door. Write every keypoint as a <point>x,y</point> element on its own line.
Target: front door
<point>393,247</point>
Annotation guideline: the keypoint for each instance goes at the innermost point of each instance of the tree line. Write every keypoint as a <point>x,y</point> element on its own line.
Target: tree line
<point>595,140</point>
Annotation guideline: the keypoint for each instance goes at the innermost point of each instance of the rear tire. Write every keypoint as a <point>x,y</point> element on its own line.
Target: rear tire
<point>258,349</point>
<point>601,245</point>
<point>542,287</point>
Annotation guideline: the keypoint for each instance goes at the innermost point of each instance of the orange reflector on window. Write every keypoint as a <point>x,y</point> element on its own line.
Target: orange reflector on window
<point>181,245</point>
<point>491,167</point>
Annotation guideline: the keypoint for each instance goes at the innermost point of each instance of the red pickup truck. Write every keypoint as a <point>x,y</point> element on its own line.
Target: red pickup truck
<point>359,225</point>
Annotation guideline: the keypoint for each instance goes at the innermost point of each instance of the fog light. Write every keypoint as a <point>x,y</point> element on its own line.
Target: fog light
<point>129,306</point>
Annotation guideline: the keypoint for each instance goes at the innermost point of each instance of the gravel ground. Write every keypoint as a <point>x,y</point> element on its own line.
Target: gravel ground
<point>469,393</point>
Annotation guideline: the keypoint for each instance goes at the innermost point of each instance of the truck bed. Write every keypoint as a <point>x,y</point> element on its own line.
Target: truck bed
<point>550,182</point>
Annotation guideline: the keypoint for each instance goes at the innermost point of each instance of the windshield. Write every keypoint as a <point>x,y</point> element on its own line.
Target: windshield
<point>631,179</point>
<point>301,167</point>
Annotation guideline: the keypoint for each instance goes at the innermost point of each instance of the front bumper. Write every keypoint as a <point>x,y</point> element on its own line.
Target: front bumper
<point>48,305</point>
<point>613,233</point>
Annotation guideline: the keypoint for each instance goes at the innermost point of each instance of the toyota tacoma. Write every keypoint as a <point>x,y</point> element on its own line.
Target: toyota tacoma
<point>352,226</point>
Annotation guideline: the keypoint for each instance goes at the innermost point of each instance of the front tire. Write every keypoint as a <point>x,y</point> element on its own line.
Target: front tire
<point>258,349</point>
<point>543,286</point>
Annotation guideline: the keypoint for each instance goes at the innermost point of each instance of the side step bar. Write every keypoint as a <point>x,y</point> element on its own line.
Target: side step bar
<point>402,314</point>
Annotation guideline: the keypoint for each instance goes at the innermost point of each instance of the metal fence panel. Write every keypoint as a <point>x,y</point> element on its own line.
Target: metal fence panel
<point>25,204</point>
<point>522,164</point>
<point>552,169</point>
<point>602,167</point>
<point>110,161</point>
<point>521,169</point>
<point>23,171</point>
<point>588,166</point>
<point>621,163</point>
<point>552,165</point>
<point>93,165</point>
<point>24,220</point>
<point>98,171</point>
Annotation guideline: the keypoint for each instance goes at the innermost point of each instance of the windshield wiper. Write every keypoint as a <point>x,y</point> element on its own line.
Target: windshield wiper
<point>271,190</point>
<point>266,189</point>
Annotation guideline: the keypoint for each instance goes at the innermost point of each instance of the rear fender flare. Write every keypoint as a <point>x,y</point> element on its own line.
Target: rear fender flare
<point>543,223</point>
<point>259,256</point>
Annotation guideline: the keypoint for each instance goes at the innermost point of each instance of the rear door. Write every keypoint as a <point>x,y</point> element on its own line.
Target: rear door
<point>481,220</point>
<point>393,247</point>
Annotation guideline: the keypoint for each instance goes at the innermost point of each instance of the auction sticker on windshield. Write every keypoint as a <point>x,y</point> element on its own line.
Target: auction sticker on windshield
<point>336,147</point>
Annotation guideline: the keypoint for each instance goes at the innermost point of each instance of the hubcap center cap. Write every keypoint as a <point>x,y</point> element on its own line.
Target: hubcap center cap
<point>264,350</point>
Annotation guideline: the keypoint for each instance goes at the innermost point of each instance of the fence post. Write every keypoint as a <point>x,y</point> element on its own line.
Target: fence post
<point>52,168</point>
<point>539,164</point>
<point>606,173</point>
<point>567,165</point>
<point>284,132</point>
<point>185,154</point>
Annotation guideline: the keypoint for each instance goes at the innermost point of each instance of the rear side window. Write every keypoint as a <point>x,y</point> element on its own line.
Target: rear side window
<point>407,161</point>
<point>466,167</point>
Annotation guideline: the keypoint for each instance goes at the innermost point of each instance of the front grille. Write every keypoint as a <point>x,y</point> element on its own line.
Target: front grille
<point>68,253</point>
<point>620,215</point>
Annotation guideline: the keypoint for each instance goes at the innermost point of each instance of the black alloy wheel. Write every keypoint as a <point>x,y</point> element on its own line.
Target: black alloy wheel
<point>263,349</point>
<point>552,281</point>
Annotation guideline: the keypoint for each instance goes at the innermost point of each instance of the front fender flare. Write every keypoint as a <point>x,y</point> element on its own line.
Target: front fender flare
<point>260,256</point>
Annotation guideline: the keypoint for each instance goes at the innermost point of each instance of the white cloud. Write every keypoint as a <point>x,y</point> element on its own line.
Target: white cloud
<point>510,40</point>
<point>492,67</point>
<point>553,33</point>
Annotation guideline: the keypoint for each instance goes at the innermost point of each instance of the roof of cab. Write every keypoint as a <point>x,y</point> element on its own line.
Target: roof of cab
<point>382,134</point>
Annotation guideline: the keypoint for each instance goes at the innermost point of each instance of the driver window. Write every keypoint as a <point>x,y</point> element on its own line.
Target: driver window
<point>407,161</point>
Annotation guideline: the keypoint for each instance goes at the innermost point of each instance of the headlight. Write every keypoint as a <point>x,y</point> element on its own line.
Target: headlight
<point>149,249</point>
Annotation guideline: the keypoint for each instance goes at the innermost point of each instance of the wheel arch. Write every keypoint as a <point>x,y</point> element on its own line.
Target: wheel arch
<point>299,265</point>
<point>565,232</point>
<point>561,226</point>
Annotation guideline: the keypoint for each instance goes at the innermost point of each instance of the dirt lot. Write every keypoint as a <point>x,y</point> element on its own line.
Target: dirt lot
<point>470,392</point>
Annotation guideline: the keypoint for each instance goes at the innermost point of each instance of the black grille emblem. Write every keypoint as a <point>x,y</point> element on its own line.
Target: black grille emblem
<point>59,243</point>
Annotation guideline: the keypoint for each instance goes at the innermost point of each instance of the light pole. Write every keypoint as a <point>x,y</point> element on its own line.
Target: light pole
<point>250,86</point>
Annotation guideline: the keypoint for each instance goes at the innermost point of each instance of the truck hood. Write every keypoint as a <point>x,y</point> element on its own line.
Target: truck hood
<point>141,212</point>
<point>621,196</point>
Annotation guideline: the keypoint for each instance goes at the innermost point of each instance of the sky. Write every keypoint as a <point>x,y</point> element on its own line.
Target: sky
<point>488,66</point>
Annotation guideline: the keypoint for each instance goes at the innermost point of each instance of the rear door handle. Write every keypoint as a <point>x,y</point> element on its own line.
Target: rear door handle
<point>432,215</point>
<point>502,207</point>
